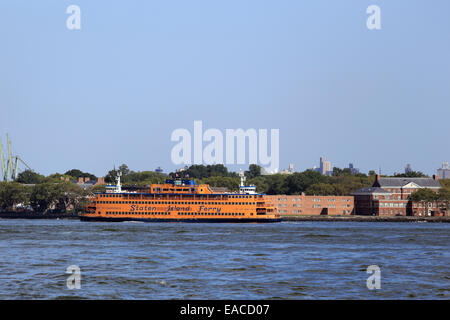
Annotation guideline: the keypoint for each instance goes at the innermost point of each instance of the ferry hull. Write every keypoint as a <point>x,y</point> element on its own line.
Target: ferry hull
<point>203,220</point>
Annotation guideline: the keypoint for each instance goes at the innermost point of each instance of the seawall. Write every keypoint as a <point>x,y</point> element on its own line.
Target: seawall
<point>366,218</point>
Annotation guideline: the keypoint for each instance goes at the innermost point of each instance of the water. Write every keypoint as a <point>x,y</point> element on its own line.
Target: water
<point>289,260</point>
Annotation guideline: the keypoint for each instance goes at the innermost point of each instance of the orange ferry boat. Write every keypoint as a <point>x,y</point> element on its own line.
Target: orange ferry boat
<point>180,201</point>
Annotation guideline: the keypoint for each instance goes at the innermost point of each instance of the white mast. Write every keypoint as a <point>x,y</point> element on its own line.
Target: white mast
<point>242,175</point>
<point>119,186</point>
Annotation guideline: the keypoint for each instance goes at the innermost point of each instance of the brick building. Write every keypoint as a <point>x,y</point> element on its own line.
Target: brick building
<point>390,196</point>
<point>312,205</point>
<point>86,182</point>
<point>437,208</point>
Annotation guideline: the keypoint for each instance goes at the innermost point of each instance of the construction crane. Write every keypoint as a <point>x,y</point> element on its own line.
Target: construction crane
<point>10,167</point>
<point>3,176</point>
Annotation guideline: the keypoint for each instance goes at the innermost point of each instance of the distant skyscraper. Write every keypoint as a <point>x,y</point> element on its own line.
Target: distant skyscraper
<point>353,169</point>
<point>291,168</point>
<point>159,170</point>
<point>408,168</point>
<point>325,167</point>
<point>444,171</point>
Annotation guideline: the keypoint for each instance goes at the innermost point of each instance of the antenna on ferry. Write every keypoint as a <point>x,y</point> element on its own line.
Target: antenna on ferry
<point>119,186</point>
<point>242,175</point>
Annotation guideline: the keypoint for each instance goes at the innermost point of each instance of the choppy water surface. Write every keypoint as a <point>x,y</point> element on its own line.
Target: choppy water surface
<point>302,260</point>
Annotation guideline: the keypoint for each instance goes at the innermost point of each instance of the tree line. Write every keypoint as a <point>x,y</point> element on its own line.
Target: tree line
<point>430,196</point>
<point>58,193</point>
<point>310,182</point>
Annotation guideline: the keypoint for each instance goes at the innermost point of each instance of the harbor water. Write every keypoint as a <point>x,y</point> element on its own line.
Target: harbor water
<point>288,260</point>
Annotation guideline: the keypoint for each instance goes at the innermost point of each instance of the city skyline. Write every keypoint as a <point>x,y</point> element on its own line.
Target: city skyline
<point>325,167</point>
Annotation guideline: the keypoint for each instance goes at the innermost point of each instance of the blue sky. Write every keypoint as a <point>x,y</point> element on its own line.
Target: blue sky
<point>114,91</point>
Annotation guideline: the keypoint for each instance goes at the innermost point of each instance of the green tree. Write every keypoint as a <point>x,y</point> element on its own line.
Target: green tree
<point>424,194</point>
<point>445,183</point>
<point>56,178</point>
<point>261,184</point>
<point>276,184</point>
<point>29,177</point>
<point>43,196</point>
<point>300,181</point>
<point>124,169</point>
<point>231,183</point>
<point>111,176</point>
<point>253,171</point>
<point>60,196</point>
<point>12,194</point>
<point>321,189</point>
<point>411,174</point>
<point>76,173</point>
<point>199,171</point>
<point>71,197</point>
<point>100,188</point>
<point>444,194</point>
<point>146,177</point>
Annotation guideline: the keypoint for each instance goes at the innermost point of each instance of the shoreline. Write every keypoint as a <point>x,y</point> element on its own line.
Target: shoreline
<point>73,216</point>
<point>367,219</point>
<point>37,215</point>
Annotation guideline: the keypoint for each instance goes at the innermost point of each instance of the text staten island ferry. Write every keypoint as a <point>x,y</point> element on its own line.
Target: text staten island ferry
<point>180,201</point>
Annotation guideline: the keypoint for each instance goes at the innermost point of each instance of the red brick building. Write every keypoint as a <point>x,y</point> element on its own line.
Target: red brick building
<point>390,196</point>
<point>86,182</point>
<point>312,205</point>
<point>437,208</point>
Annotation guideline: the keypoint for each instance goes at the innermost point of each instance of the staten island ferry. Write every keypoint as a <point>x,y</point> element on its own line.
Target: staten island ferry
<point>180,201</point>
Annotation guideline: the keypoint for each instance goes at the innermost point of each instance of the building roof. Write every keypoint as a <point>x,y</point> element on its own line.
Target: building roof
<point>401,181</point>
<point>371,190</point>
